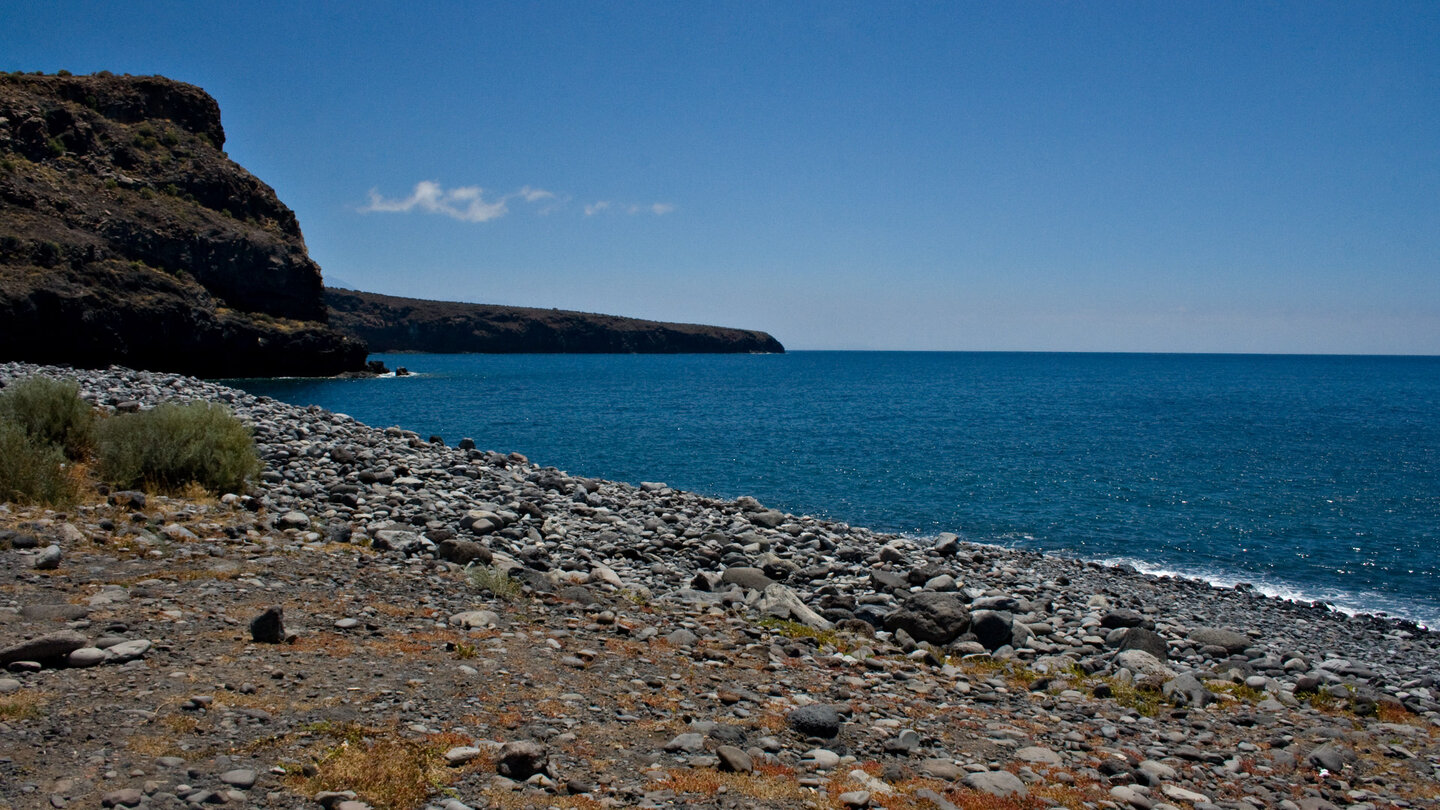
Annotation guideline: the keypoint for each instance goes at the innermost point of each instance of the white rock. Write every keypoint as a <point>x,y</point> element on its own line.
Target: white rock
<point>821,759</point>
<point>472,619</point>
<point>1181,794</point>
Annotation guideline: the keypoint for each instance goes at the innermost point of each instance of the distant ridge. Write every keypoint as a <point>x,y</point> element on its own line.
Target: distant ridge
<point>393,324</point>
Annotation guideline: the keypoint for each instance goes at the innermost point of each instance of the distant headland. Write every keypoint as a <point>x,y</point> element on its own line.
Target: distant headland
<point>128,236</point>
<point>392,324</point>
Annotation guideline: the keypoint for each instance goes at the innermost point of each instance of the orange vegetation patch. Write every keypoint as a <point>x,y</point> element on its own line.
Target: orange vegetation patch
<point>759,785</point>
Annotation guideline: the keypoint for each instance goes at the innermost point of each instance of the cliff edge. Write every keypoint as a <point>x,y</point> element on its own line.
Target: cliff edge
<point>128,236</point>
<point>391,324</point>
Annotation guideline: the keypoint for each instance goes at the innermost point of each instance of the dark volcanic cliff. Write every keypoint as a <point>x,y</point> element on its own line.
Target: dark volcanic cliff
<point>391,324</point>
<point>127,236</point>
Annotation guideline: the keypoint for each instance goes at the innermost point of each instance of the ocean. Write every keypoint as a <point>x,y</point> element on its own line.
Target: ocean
<point>1309,477</point>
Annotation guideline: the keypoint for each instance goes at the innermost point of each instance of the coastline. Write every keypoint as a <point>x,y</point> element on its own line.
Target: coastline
<point>415,507</point>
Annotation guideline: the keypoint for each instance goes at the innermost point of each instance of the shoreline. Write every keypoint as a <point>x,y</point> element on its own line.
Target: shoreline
<point>243,402</point>
<point>968,649</point>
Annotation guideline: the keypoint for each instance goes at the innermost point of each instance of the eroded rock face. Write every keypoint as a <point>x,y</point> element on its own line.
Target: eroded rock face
<point>127,236</point>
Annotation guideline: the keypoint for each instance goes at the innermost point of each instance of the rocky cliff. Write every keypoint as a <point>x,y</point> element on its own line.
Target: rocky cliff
<point>391,324</point>
<point>127,236</point>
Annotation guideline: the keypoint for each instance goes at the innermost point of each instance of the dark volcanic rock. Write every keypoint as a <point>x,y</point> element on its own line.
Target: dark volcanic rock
<point>938,618</point>
<point>268,627</point>
<point>44,648</point>
<point>1138,638</point>
<point>815,720</point>
<point>127,236</point>
<point>391,324</point>
<point>992,628</point>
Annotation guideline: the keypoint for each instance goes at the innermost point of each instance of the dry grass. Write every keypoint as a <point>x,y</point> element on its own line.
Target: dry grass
<point>180,723</point>
<point>158,745</point>
<point>510,800</point>
<point>770,784</point>
<point>384,768</point>
<point>27,704</point>
<point>190,575</point>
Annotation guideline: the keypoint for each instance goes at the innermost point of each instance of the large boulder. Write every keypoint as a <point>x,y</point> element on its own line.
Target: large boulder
<point>44,648</point>
<point>1232,641</point>
<point>993,628</point>
<point>1138,638</point>
<point>938,618</point>
<point>781,602</point>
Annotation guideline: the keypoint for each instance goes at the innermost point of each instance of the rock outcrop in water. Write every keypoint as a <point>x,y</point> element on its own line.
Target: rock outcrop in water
<point>127,236</point>
<point>391,324</point>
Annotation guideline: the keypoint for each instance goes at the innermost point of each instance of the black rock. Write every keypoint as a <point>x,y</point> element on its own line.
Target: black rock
<point>268,627</point>
<point>815,720</point>
<point>1138,638</point>
<point>1121,618</point>
<point>938,618</point>
<point>992,628</point>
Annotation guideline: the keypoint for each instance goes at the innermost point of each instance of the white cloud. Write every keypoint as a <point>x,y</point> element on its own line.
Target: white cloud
<point>471,203</point>
<point>466,203</point>
<point>658,209</point>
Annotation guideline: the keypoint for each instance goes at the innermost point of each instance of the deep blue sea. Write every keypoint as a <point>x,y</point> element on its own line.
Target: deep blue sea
<point>1308,477</point>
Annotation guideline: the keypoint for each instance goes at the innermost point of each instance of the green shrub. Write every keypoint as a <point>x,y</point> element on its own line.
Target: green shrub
<point>32,471</point>
<point>51,412</point>
<point>493,580</point>
<point>173,445</point>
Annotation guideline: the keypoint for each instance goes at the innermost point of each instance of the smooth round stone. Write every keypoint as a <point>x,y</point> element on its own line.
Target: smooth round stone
<point>9,686</point>
<point>347,624</point>
<point>86,657</point>
<point>734,759</point>
<point>822,759</point>
<point>242,778</point>
<point>461,754</point>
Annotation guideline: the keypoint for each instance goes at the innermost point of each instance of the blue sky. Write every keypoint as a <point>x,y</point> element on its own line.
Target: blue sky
<point>1108,176</point>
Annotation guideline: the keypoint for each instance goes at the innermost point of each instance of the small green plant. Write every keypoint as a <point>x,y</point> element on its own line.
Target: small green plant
<point>465,651</point>
<point>112,183</point>
<point>1240,691</point>
<point>1144,700</point>
<point>56,147</point>
<point>63,72</point>
<point>147,193</point>
<point>793,629</point>
<point>51,412</point>
<point>32,471</point>
<point>494,581</point>
<point>173,445</point>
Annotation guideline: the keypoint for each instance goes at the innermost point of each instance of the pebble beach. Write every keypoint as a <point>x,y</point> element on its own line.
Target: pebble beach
<point>538,639</point>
